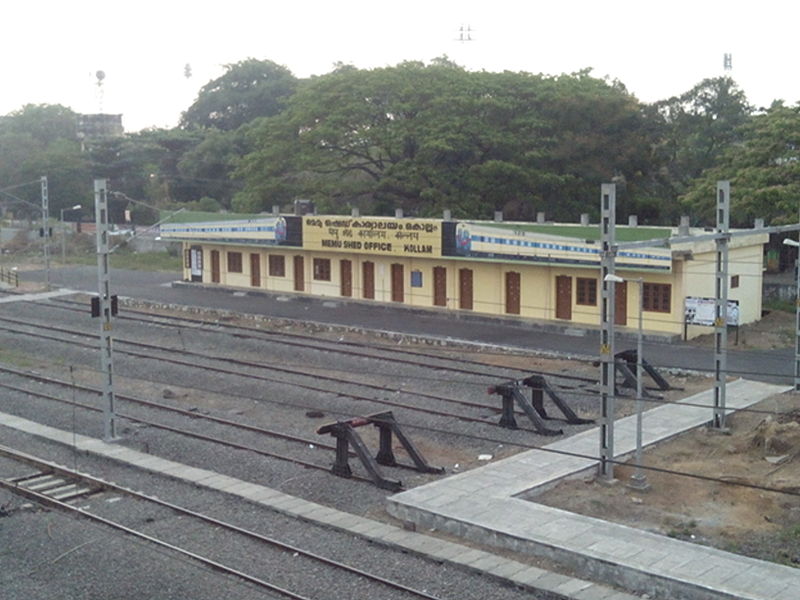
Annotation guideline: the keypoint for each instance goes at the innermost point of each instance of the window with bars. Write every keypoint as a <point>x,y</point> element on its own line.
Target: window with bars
<point>277,265</point>
<point>322,269</point>
<point>586,292</point>
<point>657,297</point>
<point>234,262</point>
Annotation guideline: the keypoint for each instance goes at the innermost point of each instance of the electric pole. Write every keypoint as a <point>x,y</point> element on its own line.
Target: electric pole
<point>106,357</point>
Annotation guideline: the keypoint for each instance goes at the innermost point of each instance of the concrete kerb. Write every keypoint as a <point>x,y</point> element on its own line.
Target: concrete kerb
<point>457,518</point>
<point>378,531</point>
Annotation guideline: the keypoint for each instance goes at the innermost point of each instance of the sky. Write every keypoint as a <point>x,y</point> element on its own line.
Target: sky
<point>52,50</point>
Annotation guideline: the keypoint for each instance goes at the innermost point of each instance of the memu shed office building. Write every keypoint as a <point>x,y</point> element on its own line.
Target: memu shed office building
<point>521,270</point>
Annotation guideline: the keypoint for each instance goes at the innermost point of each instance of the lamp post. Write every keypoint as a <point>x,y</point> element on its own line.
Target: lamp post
<point>796,244</point>
<point>638,479</point>
<point>64,233</point>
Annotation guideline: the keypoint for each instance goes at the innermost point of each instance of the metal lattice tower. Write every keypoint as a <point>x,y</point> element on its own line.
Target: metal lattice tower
<point>721,303</point>
<point>608,201</point>
<point>46,230</point>
<point>103,283</point>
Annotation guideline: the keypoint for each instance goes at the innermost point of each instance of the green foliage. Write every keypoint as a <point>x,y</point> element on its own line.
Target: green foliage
<point>423,137</point>
<point>764,171</point>
<point>428,137</point>
<point>41,140</point>
<point>249,89</point>
<point>697,127</point>
<point>209,163</point>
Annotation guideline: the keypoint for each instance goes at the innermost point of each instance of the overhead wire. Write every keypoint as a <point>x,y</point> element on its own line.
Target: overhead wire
<point>560,452</point>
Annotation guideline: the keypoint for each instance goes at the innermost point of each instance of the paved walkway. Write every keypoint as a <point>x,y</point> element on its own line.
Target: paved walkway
<point>482,505</point>
<point>556,586</point>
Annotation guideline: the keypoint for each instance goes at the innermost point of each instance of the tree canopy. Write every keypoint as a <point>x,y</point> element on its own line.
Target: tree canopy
<point>423,137</point>
<point>763,168</point>
<point>426,137</point>
<point>248,89</point>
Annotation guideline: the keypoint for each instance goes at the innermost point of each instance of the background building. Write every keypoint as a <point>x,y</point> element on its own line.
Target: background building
<point>546,272</point>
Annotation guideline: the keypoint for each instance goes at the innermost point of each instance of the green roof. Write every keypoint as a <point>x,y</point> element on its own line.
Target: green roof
<point>591,232</point>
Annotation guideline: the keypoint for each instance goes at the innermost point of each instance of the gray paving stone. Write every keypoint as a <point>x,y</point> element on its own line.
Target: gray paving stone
<point>419,543</point>
<point>398,536</point>
<point>573,586</point>
<point>508,520</point>
<point>508,569</point>
<point>342,520</point>
<point>217,481</point>
<point>487,562</point>
<point>467,556</point>
<point>371,529</point>
<point>191,474</point>
<point>551,581</point>
<point>599,592</point>
<point>531,576</point>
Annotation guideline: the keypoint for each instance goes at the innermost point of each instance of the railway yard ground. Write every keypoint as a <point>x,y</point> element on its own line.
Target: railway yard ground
<point>243,396</point>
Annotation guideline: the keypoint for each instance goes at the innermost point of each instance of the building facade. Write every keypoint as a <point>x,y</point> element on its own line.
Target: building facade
<point>548,273</point>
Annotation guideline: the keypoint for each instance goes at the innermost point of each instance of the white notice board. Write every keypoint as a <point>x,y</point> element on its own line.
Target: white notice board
<point>700,311</point>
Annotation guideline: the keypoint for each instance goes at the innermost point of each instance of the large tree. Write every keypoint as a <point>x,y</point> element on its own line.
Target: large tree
<point>763,168</point>
<point>425,137</point>
<point>41,140</point>
<point>698,126</point>
<point>249,89</point>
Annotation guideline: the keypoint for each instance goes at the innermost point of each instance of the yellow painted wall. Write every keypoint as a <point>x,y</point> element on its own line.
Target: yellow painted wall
<point>538,283</point>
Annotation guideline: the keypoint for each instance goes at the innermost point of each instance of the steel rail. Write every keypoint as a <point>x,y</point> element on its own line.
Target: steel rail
<point>187,433</point>
<point>39,463</point>
<point>49,502</point>
<point>253,333</point>
<point>308,387</point>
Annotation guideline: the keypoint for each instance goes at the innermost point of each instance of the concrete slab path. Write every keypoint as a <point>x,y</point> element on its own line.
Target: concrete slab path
<point>483,505</point>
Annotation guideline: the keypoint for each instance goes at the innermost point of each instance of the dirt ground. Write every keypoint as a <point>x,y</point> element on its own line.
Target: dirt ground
<point>762,450</point>
<point>774,330</point>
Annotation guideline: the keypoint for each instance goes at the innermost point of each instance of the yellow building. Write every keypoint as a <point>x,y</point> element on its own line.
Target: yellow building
<point>542,272</point>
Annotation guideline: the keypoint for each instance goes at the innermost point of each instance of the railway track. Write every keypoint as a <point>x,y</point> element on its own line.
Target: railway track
<point>360,349</point>
<point>232,444</point>
<point>58,487</point>
<point>245,368</point>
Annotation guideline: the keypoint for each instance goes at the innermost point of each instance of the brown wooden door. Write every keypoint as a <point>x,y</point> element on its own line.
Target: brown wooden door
<point>346,278</point>
<point>563,297</point>
<point>398,290</point>
<point>215,266</point>
<point>465,289</point>
<point>621,303</point>
<point>368,280</point>
<point>255,270</point>
<point>439,286</point>
<point>299,274</point>
<point>512,292</point>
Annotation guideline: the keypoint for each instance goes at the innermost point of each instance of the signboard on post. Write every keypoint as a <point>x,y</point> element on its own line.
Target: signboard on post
<point>700,311</point>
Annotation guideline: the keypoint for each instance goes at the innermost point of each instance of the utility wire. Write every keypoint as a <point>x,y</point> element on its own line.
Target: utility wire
<point>558,452</point>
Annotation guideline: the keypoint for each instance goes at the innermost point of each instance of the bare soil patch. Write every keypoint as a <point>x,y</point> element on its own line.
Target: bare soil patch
<point>774,330</point>
<point>761,451</point>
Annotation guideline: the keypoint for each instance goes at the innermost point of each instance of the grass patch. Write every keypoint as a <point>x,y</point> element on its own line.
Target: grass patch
<point>135,261</point>
<point>781,305</point>
<point>17,359</point>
